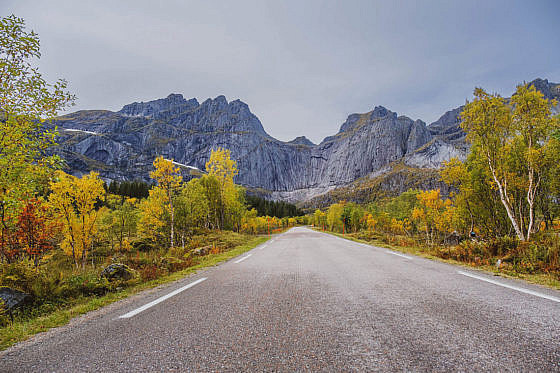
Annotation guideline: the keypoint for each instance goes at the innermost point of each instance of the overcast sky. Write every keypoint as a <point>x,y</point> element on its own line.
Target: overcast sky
<point>301,66</point>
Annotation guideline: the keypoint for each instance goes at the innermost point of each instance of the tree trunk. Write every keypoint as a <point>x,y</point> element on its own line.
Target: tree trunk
<point>531,192</point>
<point>504,198</point>
<point>172,218</point>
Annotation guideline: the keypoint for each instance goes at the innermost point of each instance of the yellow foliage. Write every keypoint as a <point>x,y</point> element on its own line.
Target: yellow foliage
<point>152,215</point>
<point>222,166</point>
<point>434,214</point>
<point>166,174</point>
<point>371,222</point>
<point>73,201</point>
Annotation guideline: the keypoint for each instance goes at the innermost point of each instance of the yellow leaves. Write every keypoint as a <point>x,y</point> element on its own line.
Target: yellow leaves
<point>487,118</point>
<point>454,172</point>
<point>78,235</point>
<point>253,224</point>
<point>418,214</point>
<point>222,166</point>
<point>430,199</point>
<point>334,215</point>
<point>126,246</point>
<point>397,226</point>
<point>73,201</point>
<point>152,214</point>
<point>319,218</point>
<point>166,174</point>
<point>371,222</point>
<point>434,212</point>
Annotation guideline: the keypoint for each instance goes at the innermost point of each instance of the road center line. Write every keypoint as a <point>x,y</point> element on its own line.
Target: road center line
<point>242,259</point>
<point>161,299</point>
<point>522,290</point>
<point>397,254</point>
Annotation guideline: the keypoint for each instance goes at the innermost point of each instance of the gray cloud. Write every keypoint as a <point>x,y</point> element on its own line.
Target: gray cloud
<point>301,66</point>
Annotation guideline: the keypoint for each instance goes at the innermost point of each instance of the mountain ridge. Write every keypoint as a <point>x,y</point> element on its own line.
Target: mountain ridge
<point>121,145</point>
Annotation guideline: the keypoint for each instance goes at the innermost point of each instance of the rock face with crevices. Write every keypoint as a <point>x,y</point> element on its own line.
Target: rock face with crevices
<point>122,145</point>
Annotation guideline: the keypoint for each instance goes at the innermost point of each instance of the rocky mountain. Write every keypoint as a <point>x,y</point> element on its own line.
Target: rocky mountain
<point>122,145</point>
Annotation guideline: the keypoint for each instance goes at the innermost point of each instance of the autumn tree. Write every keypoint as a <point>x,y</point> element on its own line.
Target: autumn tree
<point>153,213</point>
<point>334,216</point>
<point>478,205</point>
<point>433,213</point>
<point>512,139</point>
<point>73,200</point>
<point>169,180</point>
<point>224,169</point>
<point>319,218</point>
<point>27,103</point>
<point>33,235</point>
<point>119,222</point>
<point>213,196</point>
<point>192,208</point>
<point>533,126</point>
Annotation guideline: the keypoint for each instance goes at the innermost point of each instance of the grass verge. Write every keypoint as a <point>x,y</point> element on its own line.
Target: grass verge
<point>22,330</point>
<point>544,279</point>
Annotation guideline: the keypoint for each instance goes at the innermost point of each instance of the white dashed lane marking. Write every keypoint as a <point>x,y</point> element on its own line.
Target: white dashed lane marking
<point>242,259</point>
<point>522,290</point>
<point>161,299</point>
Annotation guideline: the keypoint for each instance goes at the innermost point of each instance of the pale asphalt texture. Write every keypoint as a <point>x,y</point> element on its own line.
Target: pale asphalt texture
<point>309,301</point>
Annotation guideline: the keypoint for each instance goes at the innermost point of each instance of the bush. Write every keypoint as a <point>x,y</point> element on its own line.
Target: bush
<point>23,276</point>
<point>143,245</point>
<point>83,284</point>
<point>501,246</point>
<point>151,272</point>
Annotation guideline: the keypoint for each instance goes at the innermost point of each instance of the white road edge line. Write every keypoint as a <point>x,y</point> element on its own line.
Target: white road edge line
<point>262,247</point>
<point>161,299</point>
<point>397,254</point>
<point>242,259</point>
<point>526,291</point>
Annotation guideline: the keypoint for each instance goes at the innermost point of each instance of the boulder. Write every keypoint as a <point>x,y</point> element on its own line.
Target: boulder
<point>14,298</point>
<point>117,271</point>
<point>201,251</point>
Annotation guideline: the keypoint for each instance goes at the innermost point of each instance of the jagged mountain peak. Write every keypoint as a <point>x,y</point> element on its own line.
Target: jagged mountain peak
<point>548,89</point>
<point>380,112</point>
<point>301,140</point>
<point>150,108</point>
<point>356,120</point>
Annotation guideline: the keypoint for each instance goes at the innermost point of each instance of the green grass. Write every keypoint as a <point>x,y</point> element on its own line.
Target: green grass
<point>21,330</point>
<point>544,279</point>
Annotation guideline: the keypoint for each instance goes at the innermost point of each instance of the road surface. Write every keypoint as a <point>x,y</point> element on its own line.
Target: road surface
<point>309,301</point>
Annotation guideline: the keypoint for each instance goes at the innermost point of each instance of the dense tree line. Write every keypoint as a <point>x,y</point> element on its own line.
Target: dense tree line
<point>279,209</point>
<point>131,189</point>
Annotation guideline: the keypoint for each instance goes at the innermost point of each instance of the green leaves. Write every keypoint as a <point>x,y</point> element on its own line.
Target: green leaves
<point>27,101</point>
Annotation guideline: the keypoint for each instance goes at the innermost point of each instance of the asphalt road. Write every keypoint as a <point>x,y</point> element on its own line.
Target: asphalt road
<point>308,301</point>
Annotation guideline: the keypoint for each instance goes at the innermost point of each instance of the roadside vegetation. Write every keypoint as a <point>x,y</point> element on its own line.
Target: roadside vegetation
<point>503,211</point>
<point>71,244</point>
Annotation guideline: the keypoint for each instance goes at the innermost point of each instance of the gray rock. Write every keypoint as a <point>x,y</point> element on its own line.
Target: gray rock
<point>117,271</point>
<point>14,298</point>
<point>201,251</point>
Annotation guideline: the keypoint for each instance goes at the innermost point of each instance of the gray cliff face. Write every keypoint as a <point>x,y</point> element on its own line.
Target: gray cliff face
<point>122,145</point>
<point>548,89</point>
